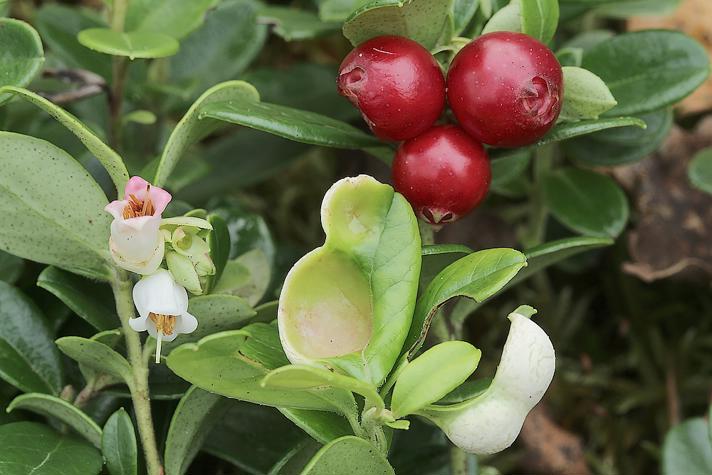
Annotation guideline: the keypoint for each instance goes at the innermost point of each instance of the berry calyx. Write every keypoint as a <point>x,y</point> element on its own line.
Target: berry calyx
<point>396,84</point>
<point>506,89</point>
<point>443,174</point>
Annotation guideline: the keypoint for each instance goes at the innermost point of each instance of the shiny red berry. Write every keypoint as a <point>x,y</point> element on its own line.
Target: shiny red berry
<point>396,84</point>
<point>443,174</point>
<point>506,89</point>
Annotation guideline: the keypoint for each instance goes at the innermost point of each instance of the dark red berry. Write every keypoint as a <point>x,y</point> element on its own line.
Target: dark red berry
<point>443,173</point>
<point>397,85</point>
<point>505,89</point>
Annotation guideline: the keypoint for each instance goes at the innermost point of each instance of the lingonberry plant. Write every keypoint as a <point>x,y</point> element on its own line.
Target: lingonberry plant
<point>203,339</point>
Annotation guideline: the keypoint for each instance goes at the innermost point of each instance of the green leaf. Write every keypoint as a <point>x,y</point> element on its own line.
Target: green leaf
<point>192,129</point>
<point>621,146</point>
<point>11,267</point>
<point>111,161</point>
<point>92,301</point>
<point>28,359</point>
<point>55,207</point>
<point>142,117</point>
<point>462,13</point>
<point>419,20</point>
<point>295,24</point>
<point>233,364</point>
<point>687,449</point>
<point>359,288</point>
<point>575,129</point>
<point>338,10</point>
<point>248,277</point>
<point>294,124</point>
<point>348,456</point>
<point>586,96</point>
<point>627,8</point>
<point>433,375</point>
<point>648,70</point>
<point>136,44</point>
<point>435,249</point>
<point>34,448</point>
<point>97,356</point>
<point>174,18</point>
<point>586,202</point>
<point>50,406</point>
<point>118,444</point>
<point>478,276</point>
<point>197,412</point>
<point>540,18</point>
<point>700,171</point>
<point>320,425</point>
<point>95,377</point>
<point>22,55</point>
<point>508,18</point>
<point>509,168</point>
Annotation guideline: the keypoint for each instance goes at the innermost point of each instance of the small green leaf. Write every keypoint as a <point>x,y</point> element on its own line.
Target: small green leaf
<point>50,406</point>
<point>508,18</point>
<point>433,375</point>
<point>34,448</point>
<point>219,243</point>
<point>700,170</point>
<point>586,96</point>
<point>540,18</point>
<point>136,44</point>
<point>22,56</point>
<point>118,444</point>
<point>462,13</point>
<point>174,18</point>
<point>419,20</point>
<point>575,129</point>
<point>28,359</point>
<point>586,202</point>
<point>478,276</point>
<point>142,117</point>
<point>97,356</point>
<point>248,277</point>
<point>197,412</point>
<point>92,301</point>
<point>111,161</point>
<point>648,70</point>
<point>295,24</point>
<point>687,449</point>
<point>348,456</point>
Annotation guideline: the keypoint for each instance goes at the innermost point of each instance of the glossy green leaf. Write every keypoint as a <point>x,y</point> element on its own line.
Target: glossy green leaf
<point>56,207</point>
<point>233,364</point>
<point>348,456</point>
<point>621,146</point>
<point>248,277</point>
<point>433,375</point>
<point>197,412</point>
<point>175,18</point>
<point>92,301</point>
<point>575,129</point>
<point>540,18</point>
<point>648,70</point>
<point>219,243</point>
<point>31,448</point>
<point>51,406</point>
<point>295,24</point>
<point>700,170</point>
<point>586,96</point>
<point>478,276</point>
<point>96,355</point>
<point>192,129</point>
<point>28,357</point>
<point>359,288</point>
<point>118,444</point>
<point>508,18</point>
<point>95,376</point>
<point>586,202</point>
<point>687,449</point>
<point>111,161</point>
<point>11,267</point>
<point>22,55</point>
<point>136,44</point>
<point>419,20</point>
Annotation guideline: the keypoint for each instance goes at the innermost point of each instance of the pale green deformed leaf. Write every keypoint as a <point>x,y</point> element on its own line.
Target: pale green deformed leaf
<point>21,57</point>
<point>135,44</point>
<point>118,444</point>
<point>51,406</point>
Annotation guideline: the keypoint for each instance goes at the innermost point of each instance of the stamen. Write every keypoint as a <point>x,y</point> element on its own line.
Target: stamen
<point>136,207</point>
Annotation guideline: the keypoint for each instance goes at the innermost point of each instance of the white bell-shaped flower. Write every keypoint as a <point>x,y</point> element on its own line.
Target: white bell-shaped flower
<point>162,305</point>
<point>136,243</point>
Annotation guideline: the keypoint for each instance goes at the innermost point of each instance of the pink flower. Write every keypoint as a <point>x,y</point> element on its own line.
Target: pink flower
<point>136,243</point>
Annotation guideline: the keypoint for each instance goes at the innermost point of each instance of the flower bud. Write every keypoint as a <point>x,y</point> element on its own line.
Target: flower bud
<point>184,272</point>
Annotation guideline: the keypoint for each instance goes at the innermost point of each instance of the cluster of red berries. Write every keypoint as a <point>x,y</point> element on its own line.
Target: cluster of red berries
<point>505,90</point>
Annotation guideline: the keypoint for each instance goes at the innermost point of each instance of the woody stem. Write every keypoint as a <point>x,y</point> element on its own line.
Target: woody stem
<point>138,385</point>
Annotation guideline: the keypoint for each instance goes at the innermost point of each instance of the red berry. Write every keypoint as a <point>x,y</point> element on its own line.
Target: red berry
<point>443,173</point>
<point>505,89</point>
<point>397,85</point>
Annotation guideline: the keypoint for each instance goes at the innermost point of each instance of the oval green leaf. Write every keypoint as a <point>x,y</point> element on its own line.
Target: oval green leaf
<point>136,44</point>
<point>700,171</point>
<point>540,18</point>
<point>433,375</point>
<point>97,356</point>
<point>174,18</point>
<point>22,56</point>
<point>295,24</point>
<point>586,202</point>
<point>586,96</point>
<point>348,456</point>
<point>118,444</point>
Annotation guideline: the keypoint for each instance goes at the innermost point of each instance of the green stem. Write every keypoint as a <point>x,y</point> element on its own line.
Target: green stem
<point>462,463</point>
<point>139,385</point>
<point>536,231</point>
